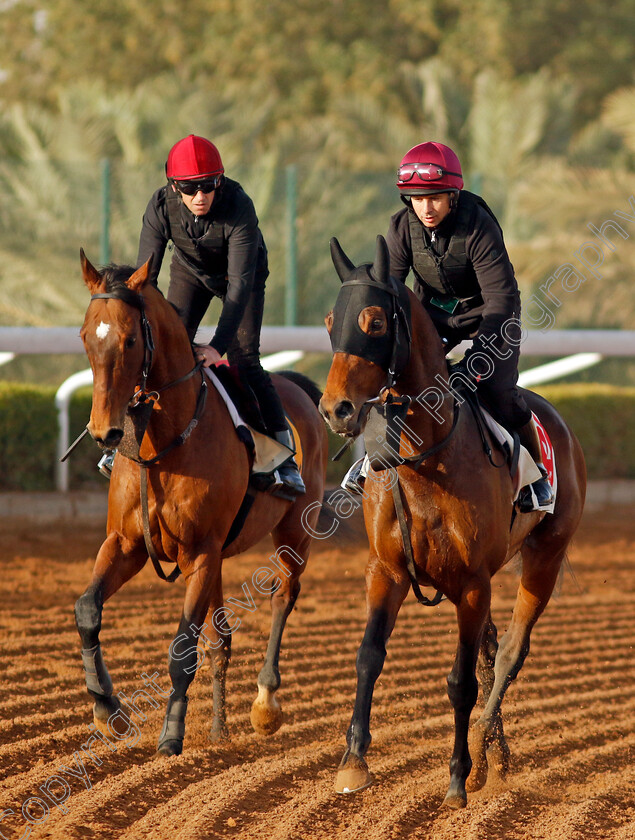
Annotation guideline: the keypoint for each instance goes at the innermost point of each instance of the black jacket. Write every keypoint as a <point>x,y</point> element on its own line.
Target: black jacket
<point>227,249</point>
<point>492,291</point>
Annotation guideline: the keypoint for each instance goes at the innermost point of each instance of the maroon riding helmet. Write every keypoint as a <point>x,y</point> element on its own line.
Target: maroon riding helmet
<point>429,168</point>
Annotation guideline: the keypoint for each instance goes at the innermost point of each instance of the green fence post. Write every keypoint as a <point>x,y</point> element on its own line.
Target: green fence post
<point>105,212</point>
<point>291,290</point>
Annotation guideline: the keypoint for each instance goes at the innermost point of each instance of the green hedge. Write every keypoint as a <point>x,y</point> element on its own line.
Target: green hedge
<point>602,417</point>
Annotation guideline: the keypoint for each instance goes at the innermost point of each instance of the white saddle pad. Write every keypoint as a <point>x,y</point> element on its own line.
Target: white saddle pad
<point>269,454</point>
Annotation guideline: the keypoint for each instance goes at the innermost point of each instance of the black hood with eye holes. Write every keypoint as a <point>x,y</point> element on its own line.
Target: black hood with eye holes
<point>371,285</point>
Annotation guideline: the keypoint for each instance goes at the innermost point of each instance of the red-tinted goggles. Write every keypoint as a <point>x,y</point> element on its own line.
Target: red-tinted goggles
<point>205,185</point>
<point>423,171</point>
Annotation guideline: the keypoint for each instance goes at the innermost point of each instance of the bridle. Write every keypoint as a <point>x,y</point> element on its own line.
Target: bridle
<point>141,405</point>
<point>149,398</point>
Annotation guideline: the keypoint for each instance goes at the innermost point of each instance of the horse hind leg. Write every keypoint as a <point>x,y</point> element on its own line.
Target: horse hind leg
<point>112,569</point>
<point>487,744</point>
<point>203,596</point>
<point>535,589</point>
<point>266,712</point>
<point>472,615</point>
<point>220,662</point>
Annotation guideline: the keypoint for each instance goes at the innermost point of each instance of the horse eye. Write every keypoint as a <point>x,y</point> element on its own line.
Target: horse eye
<point>130,342</point>
<point>377,324</point>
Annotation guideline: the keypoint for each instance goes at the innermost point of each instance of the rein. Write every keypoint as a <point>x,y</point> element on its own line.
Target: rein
<point>414,462</point>
<point>145,400</point>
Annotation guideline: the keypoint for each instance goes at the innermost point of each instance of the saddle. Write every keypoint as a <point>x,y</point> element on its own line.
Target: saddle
<point>389,443</point>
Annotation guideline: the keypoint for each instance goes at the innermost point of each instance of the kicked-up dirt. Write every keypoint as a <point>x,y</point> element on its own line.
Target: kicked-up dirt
<point>569,717</point>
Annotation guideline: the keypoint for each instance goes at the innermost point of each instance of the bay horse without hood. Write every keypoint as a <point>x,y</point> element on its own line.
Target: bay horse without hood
<point>456,509</point>
<point>196,471</point>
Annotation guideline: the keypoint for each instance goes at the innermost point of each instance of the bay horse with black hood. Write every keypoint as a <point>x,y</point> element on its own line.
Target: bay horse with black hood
<point>179,496</point>
<point>458,526</point>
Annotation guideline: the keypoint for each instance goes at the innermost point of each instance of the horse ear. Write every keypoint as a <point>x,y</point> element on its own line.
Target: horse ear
<point>381,266</point>
<point>342,264</point>
<point>92,277</point>
<point>137,281</point>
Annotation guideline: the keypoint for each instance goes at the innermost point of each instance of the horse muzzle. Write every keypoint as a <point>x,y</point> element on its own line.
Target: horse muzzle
<point>107,439</point>
<point>341,416</point>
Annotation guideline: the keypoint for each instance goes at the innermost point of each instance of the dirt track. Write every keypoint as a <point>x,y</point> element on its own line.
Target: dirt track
<point>569,716</point>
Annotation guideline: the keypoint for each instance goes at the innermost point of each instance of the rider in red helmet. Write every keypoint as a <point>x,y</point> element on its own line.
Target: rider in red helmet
<point>219,252</point>
<point>451,241</point>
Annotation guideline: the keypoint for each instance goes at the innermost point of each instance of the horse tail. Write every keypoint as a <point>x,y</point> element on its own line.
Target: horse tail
<point>308,385</point>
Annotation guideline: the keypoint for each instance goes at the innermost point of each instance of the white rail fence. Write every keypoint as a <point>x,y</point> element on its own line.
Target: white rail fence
<point>19,340</point>
<point>582,348</point>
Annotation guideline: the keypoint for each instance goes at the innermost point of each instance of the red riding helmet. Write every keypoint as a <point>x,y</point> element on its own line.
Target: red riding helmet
<point>193,157</point>
<point>429,168</point>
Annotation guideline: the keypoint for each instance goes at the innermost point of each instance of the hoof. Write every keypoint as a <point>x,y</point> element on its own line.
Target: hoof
<point>456,797</point>
<point>266,714</point>
<point>218,734</point>
<point>477,778</point>
<point>103,710</point>
<point>455,801</point>
<point>170,748</point>
<point>498,757</point>
<point>353,777</point>
<point>478,775</point>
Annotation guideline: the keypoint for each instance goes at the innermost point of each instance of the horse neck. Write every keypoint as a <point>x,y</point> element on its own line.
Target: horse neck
<point>426,375</point>
<point>172,351</point>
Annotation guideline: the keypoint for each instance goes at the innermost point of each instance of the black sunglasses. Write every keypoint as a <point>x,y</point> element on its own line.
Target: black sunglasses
<point>205,185</point>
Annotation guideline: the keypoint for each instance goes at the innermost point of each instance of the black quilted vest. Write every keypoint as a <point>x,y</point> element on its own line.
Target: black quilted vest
<point>450,275</point>
<point>208,253</point>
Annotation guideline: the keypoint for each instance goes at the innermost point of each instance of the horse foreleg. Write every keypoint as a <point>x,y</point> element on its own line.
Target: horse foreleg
<point>472,613</point>
<point>112,569</point>
<point>535,589</point>
<point>266,714</point>
<point>385,596</point>
<point>203,588</point>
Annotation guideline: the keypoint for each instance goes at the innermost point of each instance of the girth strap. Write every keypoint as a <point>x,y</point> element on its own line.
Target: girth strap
<point>407,546</point>
<point>147,536</point>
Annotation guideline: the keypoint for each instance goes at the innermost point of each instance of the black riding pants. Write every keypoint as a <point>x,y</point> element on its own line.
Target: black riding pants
<point>498,384</point>
<point>192,299</point>
<point>502,395</point>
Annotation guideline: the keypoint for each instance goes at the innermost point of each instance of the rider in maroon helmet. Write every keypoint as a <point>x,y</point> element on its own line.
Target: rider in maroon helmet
<point>219,252</point>
<point>451,241</point>
<point>453,244</point>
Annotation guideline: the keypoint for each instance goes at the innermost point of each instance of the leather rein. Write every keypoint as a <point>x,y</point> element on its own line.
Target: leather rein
<point>142,398</point>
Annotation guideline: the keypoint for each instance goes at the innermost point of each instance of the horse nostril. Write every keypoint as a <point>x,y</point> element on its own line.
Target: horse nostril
<point>113,438</point>
<point>344,410</point>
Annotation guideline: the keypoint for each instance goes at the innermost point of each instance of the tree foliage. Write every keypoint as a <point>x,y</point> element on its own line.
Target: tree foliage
<point>536,98</point>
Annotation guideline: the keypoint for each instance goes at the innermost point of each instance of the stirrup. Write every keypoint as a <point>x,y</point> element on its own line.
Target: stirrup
<point>106,462</point>
<point>355,478</point>
<point>537,495</point>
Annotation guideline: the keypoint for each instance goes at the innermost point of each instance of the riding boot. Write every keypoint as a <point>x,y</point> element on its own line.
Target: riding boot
<point>289,482</point>
<point>540,493</point>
